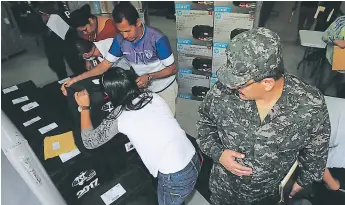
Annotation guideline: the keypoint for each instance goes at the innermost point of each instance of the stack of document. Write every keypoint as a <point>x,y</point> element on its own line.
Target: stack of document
<point>62,145</point>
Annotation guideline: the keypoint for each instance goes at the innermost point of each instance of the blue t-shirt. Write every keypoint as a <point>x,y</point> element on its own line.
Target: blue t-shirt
<point>150,54</point>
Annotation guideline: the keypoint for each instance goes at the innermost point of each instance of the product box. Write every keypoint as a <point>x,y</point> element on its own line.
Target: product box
<point>219,56</point>
<point>194,59</point>
<point>193,86</point>
<point>194,24</point>
<point>230,19</point>
<point>235,6</point>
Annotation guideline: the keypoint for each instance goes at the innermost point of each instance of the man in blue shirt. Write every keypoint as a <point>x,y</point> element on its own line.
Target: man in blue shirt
<point>147,50</point>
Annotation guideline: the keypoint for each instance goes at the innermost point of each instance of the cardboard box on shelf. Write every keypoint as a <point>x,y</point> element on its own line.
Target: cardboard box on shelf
<point>193,86</point>
<point>230,20</point>
<point>194,59</point>
<point>338,59</point>
<point>219,56</point>
<point>193,24</point>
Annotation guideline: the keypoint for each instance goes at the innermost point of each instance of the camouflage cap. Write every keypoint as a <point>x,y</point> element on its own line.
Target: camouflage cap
<point>251,55</point>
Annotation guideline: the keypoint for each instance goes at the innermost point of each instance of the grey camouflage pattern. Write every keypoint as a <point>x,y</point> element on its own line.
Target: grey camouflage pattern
<point>297,127</point>
<point>251,55</point>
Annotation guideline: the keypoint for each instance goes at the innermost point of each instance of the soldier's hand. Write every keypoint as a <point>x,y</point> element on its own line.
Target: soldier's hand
<point>295,188</point>
<point>228,160</point>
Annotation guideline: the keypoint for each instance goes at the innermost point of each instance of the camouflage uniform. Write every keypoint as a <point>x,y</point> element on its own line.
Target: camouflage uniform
<point>297,127</point>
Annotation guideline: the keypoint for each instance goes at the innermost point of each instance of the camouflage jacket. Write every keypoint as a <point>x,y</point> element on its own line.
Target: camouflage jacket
<point>297,127</point>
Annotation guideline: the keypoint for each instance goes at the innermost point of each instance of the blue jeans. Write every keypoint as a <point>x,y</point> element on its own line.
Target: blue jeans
<point>174,188</point>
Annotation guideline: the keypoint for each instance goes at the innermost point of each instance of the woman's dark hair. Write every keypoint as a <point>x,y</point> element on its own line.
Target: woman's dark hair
<point>80,17</point>
<point>125,10</point>
<point>121,87</point>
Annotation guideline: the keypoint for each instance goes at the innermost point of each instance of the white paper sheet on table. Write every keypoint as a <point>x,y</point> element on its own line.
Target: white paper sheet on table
<point>58,25</point>
<point>69,155</point>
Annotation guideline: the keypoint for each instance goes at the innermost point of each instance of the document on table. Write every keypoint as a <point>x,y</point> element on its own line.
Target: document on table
<point>29,106</point>
<point>69,155</point>
<point>19,100</point>
<point>10,89</point>
<point>58,145</point>
<point>48,128</point>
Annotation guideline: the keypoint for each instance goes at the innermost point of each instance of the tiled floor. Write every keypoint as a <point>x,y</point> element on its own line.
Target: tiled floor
<point>33,66</point>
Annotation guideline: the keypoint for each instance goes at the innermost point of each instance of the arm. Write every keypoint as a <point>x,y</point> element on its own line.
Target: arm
<point>93,138</point>
<point>208,138</point>
<point>98,70</point>
<point>330,181</point>
<point>166,56</point>
<point>312,159</point>
<point>332,36</point>
<point>166,72</point>
<point>112,56</point>
<point>329,35</point>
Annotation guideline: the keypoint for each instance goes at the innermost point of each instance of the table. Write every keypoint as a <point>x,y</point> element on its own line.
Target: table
<point>315,50</point>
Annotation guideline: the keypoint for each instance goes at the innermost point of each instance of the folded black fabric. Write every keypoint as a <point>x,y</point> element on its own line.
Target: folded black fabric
<point>100,107</point>
<point>133,186</point>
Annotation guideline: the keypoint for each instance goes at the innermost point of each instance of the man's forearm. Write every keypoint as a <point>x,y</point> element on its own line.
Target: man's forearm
<point>329,180</point>
<point>166,72</point>
<point>98,70</point>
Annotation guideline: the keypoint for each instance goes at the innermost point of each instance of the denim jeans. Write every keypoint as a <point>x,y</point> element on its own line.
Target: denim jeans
<point>174,188</point>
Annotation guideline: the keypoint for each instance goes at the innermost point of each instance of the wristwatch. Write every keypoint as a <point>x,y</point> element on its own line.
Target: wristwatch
<point>149,77</point>
<point>81,108</point>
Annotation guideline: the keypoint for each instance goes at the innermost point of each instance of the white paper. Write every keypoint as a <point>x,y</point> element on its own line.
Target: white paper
<point>19,100</point>
<point>58,25</point>
<point>113,194</point>
<point>33,120</point>
<point>63,80</point>
<point>56,145</point>
<point>129,146</point>
<point>69,155</point>
<point>10,89</point>
<point>6,21</point>
<point>96,81</point>
<point>48,128</point>
<point>30,106</point>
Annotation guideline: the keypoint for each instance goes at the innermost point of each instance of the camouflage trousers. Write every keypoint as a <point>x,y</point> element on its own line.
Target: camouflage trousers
<point>225,191</point>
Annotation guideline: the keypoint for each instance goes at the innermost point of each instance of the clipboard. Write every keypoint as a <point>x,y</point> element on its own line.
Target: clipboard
<point>338,58</point>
